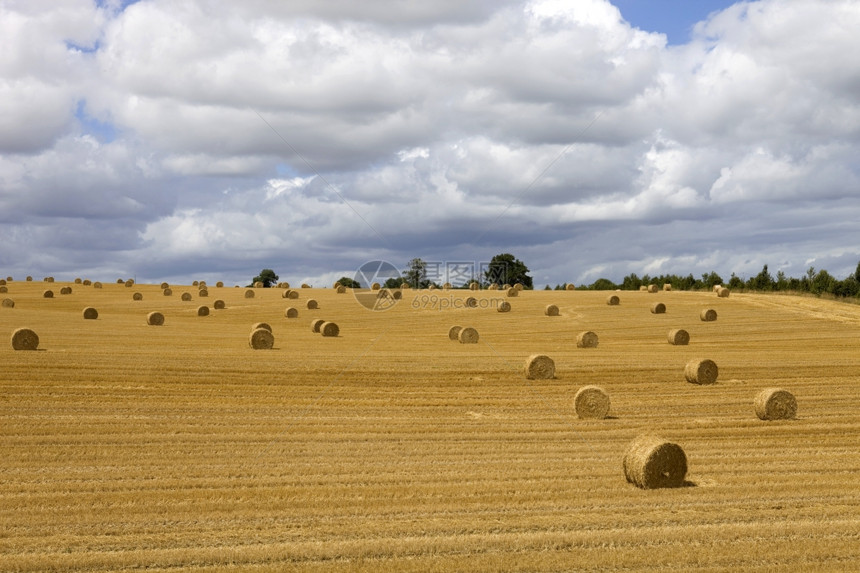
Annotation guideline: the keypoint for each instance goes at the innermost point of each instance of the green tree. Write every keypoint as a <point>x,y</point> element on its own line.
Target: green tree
<point>416,274</point>
<point>507,269</point>
<point>392,283</point>
<point>857,273</point>
<point>735,282</point>
<point>762,281</point>
<point>603,284</point>
<point>267,277</point>
<point>348,282</point>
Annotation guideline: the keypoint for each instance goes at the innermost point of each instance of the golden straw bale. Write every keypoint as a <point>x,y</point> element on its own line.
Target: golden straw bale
<point>291,313</point>
<point>679,337</point>
<point>312,304</point>
<point>613,300</point>
<point>317,324</point>
<point>651,462</point>
<point>90,313</point>
<point>586,339</point>
<point>203,310</point>
<point>454,332</point>
<point>329,329</point>
<point>698,371</point>
<point>539,367</point>
<point>468,335</point>
<point>658,308</point>
<point>591,402</point>
<point>708,315</point>
<point>261,339</point>
<point>155,319</point>
<point>219,304</point>
<point>551,310</point>
<point>25,339</point>
<point>775,404</point>
<point>504,306</point>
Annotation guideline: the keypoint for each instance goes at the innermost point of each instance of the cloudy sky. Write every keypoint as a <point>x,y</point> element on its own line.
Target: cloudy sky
<point>208,139</point>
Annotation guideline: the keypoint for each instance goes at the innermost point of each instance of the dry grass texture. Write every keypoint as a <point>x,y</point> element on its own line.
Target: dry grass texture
<point>591,402</point>
<point>775,404</point>
<point>25,339</point>
<point>701,371</point>
<point>652,462</point>
<point>539,367</point>
<point>679,337</point>
<point>587,339</point>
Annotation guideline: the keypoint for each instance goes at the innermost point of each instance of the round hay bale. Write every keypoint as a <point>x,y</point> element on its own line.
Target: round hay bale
<point>3,282</point>
<point>4,289</point>
<point>397,295</point>
<point>336,285</point>
<point>164,286</point>
<point>699,371</point>
<point>25,339</point>
<point>285,294</point>
<point>249,293</point>
<point>570,286</point>
<point>201,284</point>
<point>708,315</point>
<point>454,332</point>
<point>261,339</point>
<point>186,296</point>
<point>285,284</point>
<point>717,288</point>
<point>405,286</point>
<point>504,306</point>
<point>28,279</point>
<point>658,308</point>
<point>431,286</point>
<point>306,285</point>
<point>587,339</point>
<point>723,293</point>
<point>512,291</point>
<point>78,281</point>
<point>679,337</point>
<point>539,367</point>
<point>468,335</point>
<point>293,294</point>
<point>551,310</point>
<point>120,281</point>
<point>375,286</point>
<point>263,325</point>
<point>591,402</point>
<point>219,305</point>
<point>471,302</point>
<point>137,296</point>
<point>446,286</point>
<point>203,310</point>
<point>48,294</point>
<point>195,283</point>
<point>203,293</point>
<point>312,304</point>
<point>66,290</point>
<point>667,287</point>
<point>474,286</point>
<point>155,319</point>
<point>87,282</point>
<point>652,288</point>
<point>317,324</point>
<point>258,284</point>
<point>167,292</point>
<point>7,303</point>
<point>219,284</point>
<point>506,286</point>
<point>129,283</point>
<point>643,288</point>
<point>291,313</point>
<point>90,313</point>
<point>613,300</point>
<point>519,286</point>
<point>775,404</point>
<point>97,284</point>
<point>329,329</point>
<point>651,462</point>
<point>341,289</point>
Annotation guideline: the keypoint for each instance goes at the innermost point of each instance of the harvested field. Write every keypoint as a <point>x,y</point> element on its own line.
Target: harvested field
<point>389,447</point>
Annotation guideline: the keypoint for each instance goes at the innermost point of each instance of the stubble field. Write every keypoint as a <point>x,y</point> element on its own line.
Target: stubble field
<point>127,447</point>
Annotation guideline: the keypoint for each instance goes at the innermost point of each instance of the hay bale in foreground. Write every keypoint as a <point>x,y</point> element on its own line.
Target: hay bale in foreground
<point>292,294</point>
<point>775,404</point>
<point>312,304</point>
<point>186,296</point>
<point>341,289</point>
<point>454,332</point>
<point>25,339</point>
<point>291,313</point>
<point>48,294</point>
<point>570,286</point>
<point>723,293</point>
<point>708,315</point>
<point>317,324</point>
<point>652,288</point>
<point>249,293</point>
<point>701,371</point>
<point>137,296</point>
<point>658,308</point>
<point>329,329</point>
<point>591,402</point>
<point>504,306</point>
<point>203,292</point>
<point>539,367</point>
<point>90,313</point>
<point>651,462</point>
<point>587,339</point>
<point>203,310</point>
<point>468,335</point>
<point>155,319</point>
<point>263,325</point>
<point>219,305</point>
<point>7,303</point>
<point>551,310</point>
<point>613,300</point>
<point>511,291</point>
<point>667,287</point>
<point>261,339</point>
<point>679,337</point>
